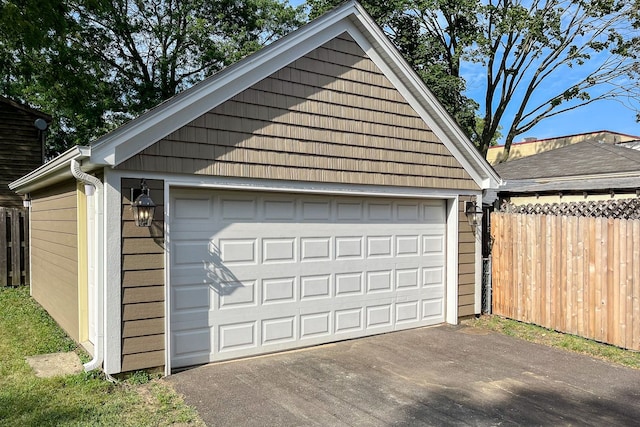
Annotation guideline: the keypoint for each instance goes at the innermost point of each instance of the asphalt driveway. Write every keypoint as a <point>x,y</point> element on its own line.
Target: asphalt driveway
<point>432,376</point>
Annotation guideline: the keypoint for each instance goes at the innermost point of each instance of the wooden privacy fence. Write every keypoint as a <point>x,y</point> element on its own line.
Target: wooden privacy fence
<point>14,247</point>
<point>572,274</point>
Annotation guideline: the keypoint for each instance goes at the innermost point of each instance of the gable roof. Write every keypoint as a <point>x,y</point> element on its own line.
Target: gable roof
<point>114,148</point>
<point>583,158</point>
<point>583,166</point>
<point>25,108</point>
<point>531,146</point>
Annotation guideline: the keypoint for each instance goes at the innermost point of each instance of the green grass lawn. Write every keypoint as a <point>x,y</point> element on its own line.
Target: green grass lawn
<point>72,400</point>
<point>552,338</point>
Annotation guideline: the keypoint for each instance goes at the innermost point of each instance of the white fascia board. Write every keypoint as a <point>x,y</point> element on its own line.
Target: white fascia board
<point>385,55</point>
<point>274,185</point>
<point>51,172</point>
<point>144,131</point>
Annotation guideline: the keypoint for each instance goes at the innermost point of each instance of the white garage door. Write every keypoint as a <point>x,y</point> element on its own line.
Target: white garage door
<point>254,273</point>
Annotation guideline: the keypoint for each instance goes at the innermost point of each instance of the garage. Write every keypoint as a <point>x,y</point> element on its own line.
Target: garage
<point>313,192</point>
<point>258,272</point>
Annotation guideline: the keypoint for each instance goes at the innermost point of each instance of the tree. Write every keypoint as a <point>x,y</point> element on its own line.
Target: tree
<point>107,61</point>
<point>573,53</point>
<point>537,58</point>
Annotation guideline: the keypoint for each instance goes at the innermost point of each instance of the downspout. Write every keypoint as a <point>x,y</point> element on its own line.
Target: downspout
<point>98,349</point>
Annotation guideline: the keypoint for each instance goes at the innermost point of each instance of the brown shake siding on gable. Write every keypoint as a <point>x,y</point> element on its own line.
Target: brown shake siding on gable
<point>331,116</point>
<point>54,253</point>
<point>142,282</point>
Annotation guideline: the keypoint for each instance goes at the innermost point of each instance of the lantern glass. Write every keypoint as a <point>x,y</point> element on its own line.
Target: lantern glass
<point>143,208</point>
<point>473,213</point>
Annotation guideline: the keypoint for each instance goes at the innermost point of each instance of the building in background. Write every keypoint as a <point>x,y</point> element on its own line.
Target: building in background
<point>531,146</point>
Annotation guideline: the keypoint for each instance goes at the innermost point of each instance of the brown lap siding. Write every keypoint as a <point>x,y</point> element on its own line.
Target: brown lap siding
<point>142,282</point>
<point>54,253</point>
<point>466,262</point>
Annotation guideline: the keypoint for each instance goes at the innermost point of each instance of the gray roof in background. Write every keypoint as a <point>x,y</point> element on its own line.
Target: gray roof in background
<point>576,185</point>
<point>582,158</point>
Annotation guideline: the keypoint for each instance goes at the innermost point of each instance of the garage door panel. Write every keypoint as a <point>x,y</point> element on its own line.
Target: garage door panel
<point>433,244</point>
<point>279,290</point>
<point>314,325</point>
<point>193,207</point>
<point>349,320</point>
<point>379,246</point>
<point>278,250</point>
<point>237,336</point>
<point>379,281</point>
<point>237,294</point>
<point>433,276</point>
<point>315,287</point>
<point>407,278</point>
<point>408,311</point>
<point>379,316</point>
<point>316,210</point>
<point>279,330</point>
<point>315,249</point>
<point>268,272</point>
<point>348,284</point>
<point>233,209</point>
<point>238,251</point>
<point>189,297</point>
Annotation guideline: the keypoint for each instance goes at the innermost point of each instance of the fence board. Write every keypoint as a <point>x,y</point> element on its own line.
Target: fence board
<point>14,247</point>
<point>635,343</point>
<point>576,275</point>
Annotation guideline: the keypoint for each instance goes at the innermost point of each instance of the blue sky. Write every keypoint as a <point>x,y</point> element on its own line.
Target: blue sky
<point>602,115</point>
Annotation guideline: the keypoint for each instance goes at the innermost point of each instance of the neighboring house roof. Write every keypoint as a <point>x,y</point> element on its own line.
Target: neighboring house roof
<point>128,140</point>
<point>531,146</point>
<point>578,167</point>
<point>635,144</point>
<point>25,108</point>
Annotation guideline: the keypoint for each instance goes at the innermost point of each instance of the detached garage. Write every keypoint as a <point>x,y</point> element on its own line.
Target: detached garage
<point>313,192</point>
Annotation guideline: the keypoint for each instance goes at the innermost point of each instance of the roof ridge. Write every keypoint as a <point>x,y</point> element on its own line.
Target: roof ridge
<point>615,149</point>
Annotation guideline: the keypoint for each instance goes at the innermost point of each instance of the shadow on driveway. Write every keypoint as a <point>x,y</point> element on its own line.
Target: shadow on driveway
<point>431,376</point>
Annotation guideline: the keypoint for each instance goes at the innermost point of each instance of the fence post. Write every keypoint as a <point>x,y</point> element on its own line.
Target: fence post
<point>15,247</point>
<point>486,285</point>
<point>4,266</point>
<point>26,263</point>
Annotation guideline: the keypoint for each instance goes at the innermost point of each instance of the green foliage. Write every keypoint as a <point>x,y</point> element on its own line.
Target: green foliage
<point>94,64</point>
<point>139,377</point>
<point>82,399</point>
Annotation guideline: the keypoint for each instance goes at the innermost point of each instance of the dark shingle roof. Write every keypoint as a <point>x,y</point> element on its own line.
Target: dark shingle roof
<point>601,185</point>
<point>583,158</point>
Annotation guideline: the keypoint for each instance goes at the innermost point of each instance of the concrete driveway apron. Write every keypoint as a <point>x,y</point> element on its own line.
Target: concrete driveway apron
<point>431,376</point>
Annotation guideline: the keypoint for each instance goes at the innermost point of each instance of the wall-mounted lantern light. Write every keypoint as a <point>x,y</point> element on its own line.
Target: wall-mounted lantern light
<point>473,213</point>
<point>26,200</point>
<point>142,205</point>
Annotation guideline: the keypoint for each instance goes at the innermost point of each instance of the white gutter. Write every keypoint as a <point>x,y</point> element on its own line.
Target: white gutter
<point>51,172</point>
<point>97,243</point>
